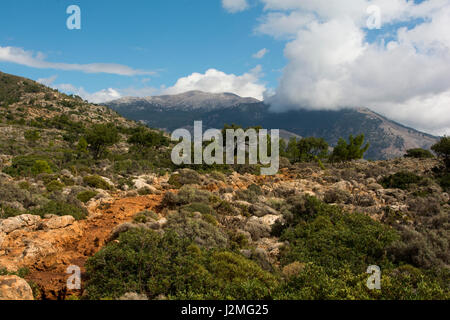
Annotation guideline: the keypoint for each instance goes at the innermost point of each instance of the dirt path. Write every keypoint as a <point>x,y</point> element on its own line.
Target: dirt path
<point>49,274</point>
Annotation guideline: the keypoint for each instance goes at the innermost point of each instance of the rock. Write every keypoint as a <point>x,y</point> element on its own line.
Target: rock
<point>58,222</point>
<point>270,219</point>
<point>257,228</point>
<point>260,255</point>
<point>133,296</point>
<point>19,222</point>
<point>227,197</point>
<point>261,210</point>
<point>374,186</point>
<point>15,288</point>
<point>343,185</point>
<point>2,238</point>
<point>246,253</point>
<point>66,173</point>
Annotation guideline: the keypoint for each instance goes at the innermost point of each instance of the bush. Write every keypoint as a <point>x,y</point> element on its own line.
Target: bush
<point>85,196</point>
<point>97,182</point>
<point>60,208</point>
<point>251,194</point>
<point>202,232</point>
<point>29,166</point>
<point>400,180</point>
<point>442,149</point>
<point>332,238</point>
<point>145,216</point>
<point>54,185</point>
<point>184,177</point>
<point>419,154</point>
<point>148,263</point>
<point>186,195</point>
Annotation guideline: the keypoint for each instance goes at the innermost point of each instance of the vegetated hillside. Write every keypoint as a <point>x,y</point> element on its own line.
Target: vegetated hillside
<point>388,139</point>
<point>84,186</point>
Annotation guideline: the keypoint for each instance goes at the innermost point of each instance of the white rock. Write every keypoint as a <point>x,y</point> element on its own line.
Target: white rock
<point>19,222</point>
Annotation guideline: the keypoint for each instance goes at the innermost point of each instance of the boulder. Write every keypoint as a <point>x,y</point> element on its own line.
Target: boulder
<point>15,288</point>
<point>58,222</point>
<point>19,222</point>
<point>261,210</point>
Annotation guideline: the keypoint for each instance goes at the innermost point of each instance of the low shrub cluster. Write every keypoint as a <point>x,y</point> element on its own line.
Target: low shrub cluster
<point>148,263</point>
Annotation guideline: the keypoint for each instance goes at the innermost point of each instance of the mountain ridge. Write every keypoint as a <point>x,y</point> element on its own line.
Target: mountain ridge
<point>388,138</point>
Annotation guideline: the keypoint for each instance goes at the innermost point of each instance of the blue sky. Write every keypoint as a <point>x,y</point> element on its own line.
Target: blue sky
<point>172,38</point>
<point>314,54</point>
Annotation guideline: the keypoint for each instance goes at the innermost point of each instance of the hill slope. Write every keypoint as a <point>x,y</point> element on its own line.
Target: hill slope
<point>388,139</point>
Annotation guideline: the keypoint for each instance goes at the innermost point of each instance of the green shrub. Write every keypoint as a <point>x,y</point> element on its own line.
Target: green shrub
<point>419,153</point>
<point>148,263</point>
<point>60,208</point>
<point>184,177</point>
<point>251,194</point>
<point>54,185</point>
<point>203,233</point>
<point>32,135</point>
<point>29,166</point>
<point>332,238</point>
<point>442,149</point>
<point>201,207</point>
<point>97,182</point>
<point>400,180</point>
<point>85,196</point>
<point>145,216</point>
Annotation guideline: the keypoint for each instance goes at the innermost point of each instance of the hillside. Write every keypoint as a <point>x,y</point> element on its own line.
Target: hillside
<point>82,186</point>
<point>388,139</point>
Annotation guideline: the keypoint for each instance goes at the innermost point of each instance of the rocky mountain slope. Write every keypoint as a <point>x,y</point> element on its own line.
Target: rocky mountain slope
<point>388,139</point>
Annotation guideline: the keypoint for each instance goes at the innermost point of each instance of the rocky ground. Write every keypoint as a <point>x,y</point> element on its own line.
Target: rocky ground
<point>47,246</point>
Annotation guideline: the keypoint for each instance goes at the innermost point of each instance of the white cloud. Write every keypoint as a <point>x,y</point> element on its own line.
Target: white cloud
<point>234,6</point>
<point>260,54</point>
<point>404,75</point>
<point>29,59</point>
<point>215,81</point>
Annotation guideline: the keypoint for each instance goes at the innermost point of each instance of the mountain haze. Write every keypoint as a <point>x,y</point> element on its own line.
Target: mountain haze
<point>388,139</point>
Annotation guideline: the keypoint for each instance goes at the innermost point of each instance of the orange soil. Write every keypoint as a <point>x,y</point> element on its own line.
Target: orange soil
<point>76,251</point>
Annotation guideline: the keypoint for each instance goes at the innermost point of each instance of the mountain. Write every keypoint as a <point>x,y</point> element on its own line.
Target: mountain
<point>191,100</point>
<point>388,139</point>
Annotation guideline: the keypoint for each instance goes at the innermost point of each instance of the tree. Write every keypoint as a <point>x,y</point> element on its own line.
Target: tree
<point>353,150</point>
<point>145,138</point>
<point>292,151</point>
<point>101,136</point>
<point>418,153</point>
<point>442,149</point>
<point>312,148</point>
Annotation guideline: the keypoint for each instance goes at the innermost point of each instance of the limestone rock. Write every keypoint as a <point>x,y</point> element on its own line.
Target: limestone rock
<point>19,222</point>
<point>15,288</point>
<point>58,222</point>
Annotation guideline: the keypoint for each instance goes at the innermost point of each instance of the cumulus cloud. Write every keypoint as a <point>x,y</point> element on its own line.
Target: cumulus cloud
<point>234,6</point>
<point>260,54</point>
<point>215,81</point>
<point>30,59</point>
<point>405,74</point>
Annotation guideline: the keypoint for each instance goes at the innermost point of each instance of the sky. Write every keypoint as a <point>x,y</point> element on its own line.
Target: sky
<point>392,56</point>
